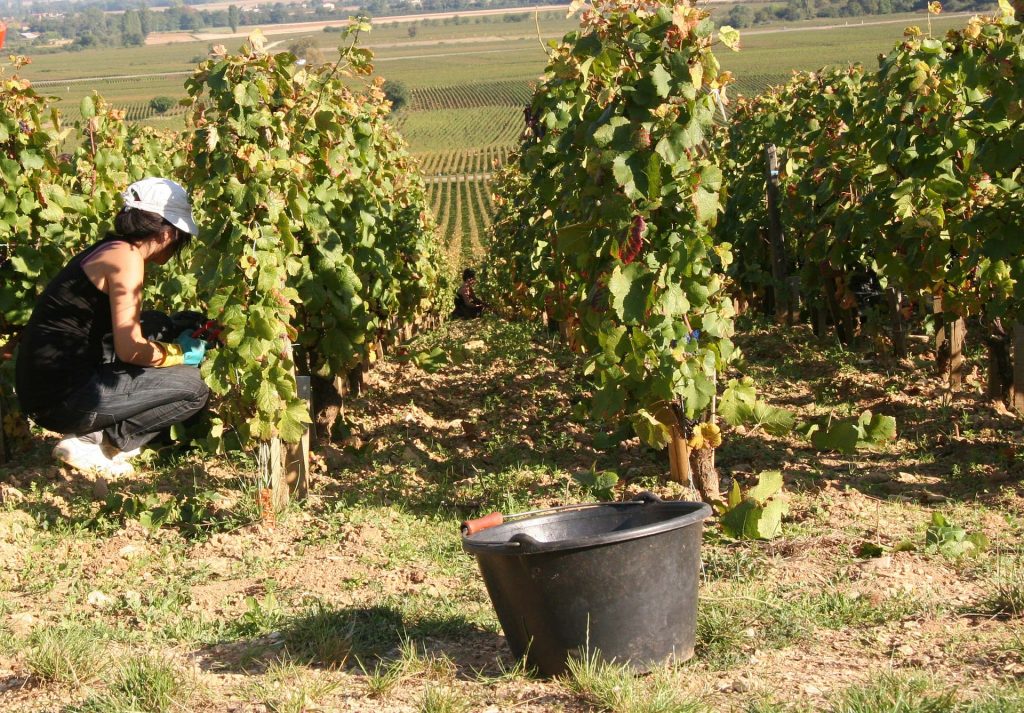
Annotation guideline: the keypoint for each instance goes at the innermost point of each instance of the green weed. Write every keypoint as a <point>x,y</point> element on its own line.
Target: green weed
<point>443,700</point>
<point>289,688</point>
<point>68,654</point>
<point>410,662</point>
<point>615,687</point>
<point>1006,591</point>
<point>895,693</point>
<point>150,683</point>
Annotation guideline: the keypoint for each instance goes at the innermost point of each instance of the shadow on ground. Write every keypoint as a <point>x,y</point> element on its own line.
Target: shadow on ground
<point>365,639</point>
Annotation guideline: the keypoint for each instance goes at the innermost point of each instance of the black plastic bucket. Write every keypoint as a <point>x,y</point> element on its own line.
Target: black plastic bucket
<point>615,578</point>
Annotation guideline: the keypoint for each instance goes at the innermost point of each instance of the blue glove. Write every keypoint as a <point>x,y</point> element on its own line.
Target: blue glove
<point>193,350</point>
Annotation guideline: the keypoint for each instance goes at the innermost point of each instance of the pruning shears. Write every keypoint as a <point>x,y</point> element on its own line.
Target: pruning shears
<point>209,332</point>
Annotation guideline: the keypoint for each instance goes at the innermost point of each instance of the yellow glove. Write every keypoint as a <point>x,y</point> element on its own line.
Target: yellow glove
<point>173,354</point>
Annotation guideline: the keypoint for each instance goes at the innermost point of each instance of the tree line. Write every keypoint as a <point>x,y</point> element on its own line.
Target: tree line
<point>95,26</point>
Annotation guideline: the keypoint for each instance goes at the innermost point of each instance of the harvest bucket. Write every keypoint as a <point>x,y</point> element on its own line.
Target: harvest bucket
<point>3,34</point>
<point>618,579</point>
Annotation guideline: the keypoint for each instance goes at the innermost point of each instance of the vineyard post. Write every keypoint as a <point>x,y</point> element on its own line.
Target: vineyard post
<point>949,346</point>
<point>679,457</point>
<point>3,444</point>
<point>780,280</point>
<point>271,470</point>
<point>1018,367</point>
<point>297,454</point>
<point>898,324</point>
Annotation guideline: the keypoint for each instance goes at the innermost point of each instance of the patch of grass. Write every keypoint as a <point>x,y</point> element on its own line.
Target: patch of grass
<point>1006,591</point>
<point>411,661</point>
<point>330,637</point>
<point>740,563</point>
<point>733,618</point>
<point>149,683</point>
<point>838,610</point>
<point>438,699</point>
<point>1003,699</point>
<point>69,654</point>
<point>615,687</point>
<point>895,693</point>
<point>289,688</point>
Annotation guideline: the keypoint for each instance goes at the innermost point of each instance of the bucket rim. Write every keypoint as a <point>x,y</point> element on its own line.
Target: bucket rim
<point>524,544</point>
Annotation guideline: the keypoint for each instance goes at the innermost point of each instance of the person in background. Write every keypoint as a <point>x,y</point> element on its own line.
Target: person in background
<point>110,402</point>
<point>467,304</point>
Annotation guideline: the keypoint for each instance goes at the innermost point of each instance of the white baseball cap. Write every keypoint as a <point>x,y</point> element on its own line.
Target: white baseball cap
<point>165,198</point>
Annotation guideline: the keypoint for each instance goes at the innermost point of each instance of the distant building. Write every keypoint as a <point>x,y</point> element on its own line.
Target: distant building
<point>328,6</point>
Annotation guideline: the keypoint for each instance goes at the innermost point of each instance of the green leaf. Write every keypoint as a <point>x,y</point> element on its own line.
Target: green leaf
<point>769,524</point>
<point>768,484</point>
<point>87,108</point>
<point>869,550</point>
<point>661,79</point>
<point>629,295</point>
<point>735,496</point>
<point>841,436</point>
<point>877,429</point>
<point>773,419</point>
<point>730,37</point>
<point>650,430</point>
<point>705,205</point>
<point>600,484</point>
<point>737,394</point>
<point>574,239</point>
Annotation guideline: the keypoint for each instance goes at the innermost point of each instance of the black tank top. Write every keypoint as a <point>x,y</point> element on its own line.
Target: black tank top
<point>62,346</point>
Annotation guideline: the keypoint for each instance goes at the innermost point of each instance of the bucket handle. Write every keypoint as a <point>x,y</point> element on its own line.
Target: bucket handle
<point>640,499</point>
<point>527,542</point>
<point>471,527</point>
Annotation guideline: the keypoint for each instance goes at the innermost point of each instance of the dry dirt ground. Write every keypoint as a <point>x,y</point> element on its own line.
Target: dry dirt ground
<point>361,599</point>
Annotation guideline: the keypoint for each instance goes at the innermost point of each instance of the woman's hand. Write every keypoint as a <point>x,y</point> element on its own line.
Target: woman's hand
<point>193,350</point>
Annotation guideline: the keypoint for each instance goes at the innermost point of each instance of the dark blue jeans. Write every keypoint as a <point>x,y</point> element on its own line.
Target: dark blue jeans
<point>130,404</point>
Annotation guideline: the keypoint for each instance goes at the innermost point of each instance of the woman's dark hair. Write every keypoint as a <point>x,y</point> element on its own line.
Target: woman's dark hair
<point>135,225</point>
<point>468,274</point>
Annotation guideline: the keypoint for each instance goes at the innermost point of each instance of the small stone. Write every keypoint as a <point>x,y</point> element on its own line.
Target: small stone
<point>98,599</point>
<point>905,649</point>
<point>353,442</point>
<point>100,489</point>
<point>876,563</point>
<point>22,623</point>
<point>14,524</point>
<point>742,684</point>
<point>129,552</point>
<point>812,690</point>
<point>133,599</point>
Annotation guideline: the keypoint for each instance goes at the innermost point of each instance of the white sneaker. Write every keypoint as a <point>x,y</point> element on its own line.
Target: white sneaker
<point>88,457</point>
<point>119,456</point>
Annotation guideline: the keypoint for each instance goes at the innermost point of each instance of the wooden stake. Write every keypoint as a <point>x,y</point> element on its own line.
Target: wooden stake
<point>898,325</point>
<point>949,347</point>
<point>297,454</point>
<point>3,443</point>
<point>1017,396</point>
<point>271,468</point>
<point>780,277</point>
<point>679,458</point>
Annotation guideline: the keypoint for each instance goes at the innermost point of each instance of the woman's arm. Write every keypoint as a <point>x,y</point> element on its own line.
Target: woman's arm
<point>118,270</point>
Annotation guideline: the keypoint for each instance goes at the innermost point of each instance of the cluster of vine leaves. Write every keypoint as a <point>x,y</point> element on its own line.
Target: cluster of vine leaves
<point>314,227</point>
<point>605,220</point>
<point>911,173</point>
